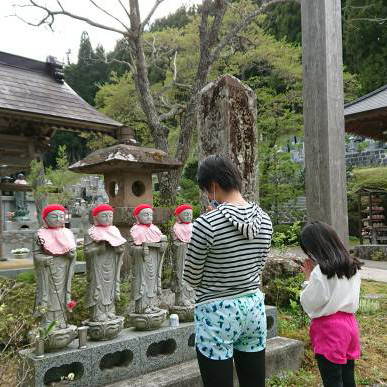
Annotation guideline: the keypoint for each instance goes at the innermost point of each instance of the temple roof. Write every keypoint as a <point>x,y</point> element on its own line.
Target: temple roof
<point>125,157</point>
<point>36,90</point>
<point>367,115</point>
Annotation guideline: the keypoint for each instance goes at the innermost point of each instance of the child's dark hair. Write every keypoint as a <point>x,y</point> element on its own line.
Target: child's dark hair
<point>320,242</point>
<point>219,169</point>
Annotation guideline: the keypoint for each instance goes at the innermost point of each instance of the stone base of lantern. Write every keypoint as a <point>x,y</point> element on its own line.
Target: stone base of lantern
<point>104,330</point>
<point>185,313</point>
<point>148,321</point>
<point>60,338</point>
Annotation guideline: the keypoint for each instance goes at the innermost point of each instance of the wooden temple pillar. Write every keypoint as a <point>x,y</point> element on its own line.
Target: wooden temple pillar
<point>325,172</point>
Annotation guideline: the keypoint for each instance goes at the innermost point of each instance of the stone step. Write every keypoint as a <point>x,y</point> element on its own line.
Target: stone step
<point>282,354</point>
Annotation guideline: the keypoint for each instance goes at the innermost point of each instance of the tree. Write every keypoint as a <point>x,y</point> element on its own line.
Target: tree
<point>365,41</point>
<point>212,41</point>
<point>90,71</point>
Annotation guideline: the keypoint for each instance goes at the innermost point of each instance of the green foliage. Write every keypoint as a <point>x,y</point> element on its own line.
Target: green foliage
<point>75,148</point>
<point>285,236</point>
<point>97,140</point>
<point>80,254</point>
<point>57,181</point>
<point>368,177</point>
<point>16,306</point>
<point>361,146</point>
<point>280,291</point>
<point>365,47</point>
<point>28,277</point>
<point>90,71</point>
<point>189,192</point>
<point>17,303</point>
<point>378,255</point>
<point>284,21</point>
<point>177,19</point>
<point>118,99</point>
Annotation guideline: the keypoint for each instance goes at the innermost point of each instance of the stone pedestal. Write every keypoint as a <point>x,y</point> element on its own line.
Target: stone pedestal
<point>104,330</point>
<point>60,338</point>
<point>133,353</point>
<point>148,321</point>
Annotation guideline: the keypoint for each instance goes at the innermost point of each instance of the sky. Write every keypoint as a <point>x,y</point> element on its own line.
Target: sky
<point>19,38</point>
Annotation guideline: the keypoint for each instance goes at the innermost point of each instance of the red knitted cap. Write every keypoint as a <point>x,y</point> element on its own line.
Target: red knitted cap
<point>182,208</point>
<point>102,207</point>
<point>141,207</point>
<point>52,207</point>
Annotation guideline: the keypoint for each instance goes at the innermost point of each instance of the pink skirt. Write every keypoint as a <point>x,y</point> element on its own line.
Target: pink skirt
<point>336,337</point>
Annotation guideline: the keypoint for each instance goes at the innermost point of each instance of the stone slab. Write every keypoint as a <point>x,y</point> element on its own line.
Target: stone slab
<point>115,359</point>
<point>133,353</point>
<point>370,252</point>
<point>54,365</point>
<point>282,355</point>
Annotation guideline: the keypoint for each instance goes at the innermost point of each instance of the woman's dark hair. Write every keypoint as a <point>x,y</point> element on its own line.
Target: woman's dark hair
<point>219,169</point>
<point>321,243</point>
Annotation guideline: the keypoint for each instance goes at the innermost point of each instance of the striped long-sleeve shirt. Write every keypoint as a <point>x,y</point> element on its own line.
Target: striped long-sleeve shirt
<point>227,252</point>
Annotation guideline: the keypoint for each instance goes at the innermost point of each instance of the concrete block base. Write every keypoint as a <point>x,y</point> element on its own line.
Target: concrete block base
<point>133,353</point>
<point>282,355</point>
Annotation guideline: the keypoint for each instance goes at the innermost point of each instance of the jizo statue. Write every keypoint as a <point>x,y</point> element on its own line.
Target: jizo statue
<point>104,248</point>
<point>147,247</point>
<point>54,260</point>
<point>181,234</point>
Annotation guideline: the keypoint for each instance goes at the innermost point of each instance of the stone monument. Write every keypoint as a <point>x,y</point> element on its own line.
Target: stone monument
<point>147,246</point>
<point>54,260</point>
<point>104,247</point>
<point>181,235</point>
<point>227,125</point>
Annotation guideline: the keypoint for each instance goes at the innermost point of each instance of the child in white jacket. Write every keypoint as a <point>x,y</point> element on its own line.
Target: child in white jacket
<point>330,297</point>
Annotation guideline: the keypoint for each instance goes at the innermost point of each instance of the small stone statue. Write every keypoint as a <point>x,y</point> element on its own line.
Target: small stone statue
<point>146,247</point>
<point>104,249</point>
<point>20,198</point>
<point>181,235</point>
<point>54,259</point>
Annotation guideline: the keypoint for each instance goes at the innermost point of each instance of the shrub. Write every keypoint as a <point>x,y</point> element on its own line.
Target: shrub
<point>280,291</point>
<point>286,235</point>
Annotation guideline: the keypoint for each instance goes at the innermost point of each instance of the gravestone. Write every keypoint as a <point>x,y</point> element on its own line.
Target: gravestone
<point>227,125</point>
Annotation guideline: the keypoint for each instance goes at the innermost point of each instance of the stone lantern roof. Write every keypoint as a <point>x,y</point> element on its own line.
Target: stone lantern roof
<point>125,157</point>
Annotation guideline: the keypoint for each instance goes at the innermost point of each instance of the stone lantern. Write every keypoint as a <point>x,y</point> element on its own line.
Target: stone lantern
<point>127,169</point>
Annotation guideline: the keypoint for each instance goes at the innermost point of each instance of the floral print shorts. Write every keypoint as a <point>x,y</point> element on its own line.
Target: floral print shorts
<point>225,325</point>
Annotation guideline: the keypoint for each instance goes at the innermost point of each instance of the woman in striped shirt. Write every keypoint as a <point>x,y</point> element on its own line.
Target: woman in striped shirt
<point>225,258</point>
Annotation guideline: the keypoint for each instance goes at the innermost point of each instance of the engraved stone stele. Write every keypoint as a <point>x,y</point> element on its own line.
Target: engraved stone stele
<point>181,233</point>
<point>227,125</point>
<point>147,246</point>
<point>104,247</point>
<point>54,259</point>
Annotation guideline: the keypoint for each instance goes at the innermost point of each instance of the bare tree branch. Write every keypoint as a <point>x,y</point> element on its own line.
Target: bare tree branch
<point>50,16</point>
<point>176,109</point>
<point>152,11</point>
<point>124,8</point>
<point>370,19</point>
<point>174,67</point>
<point>108,13</point>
